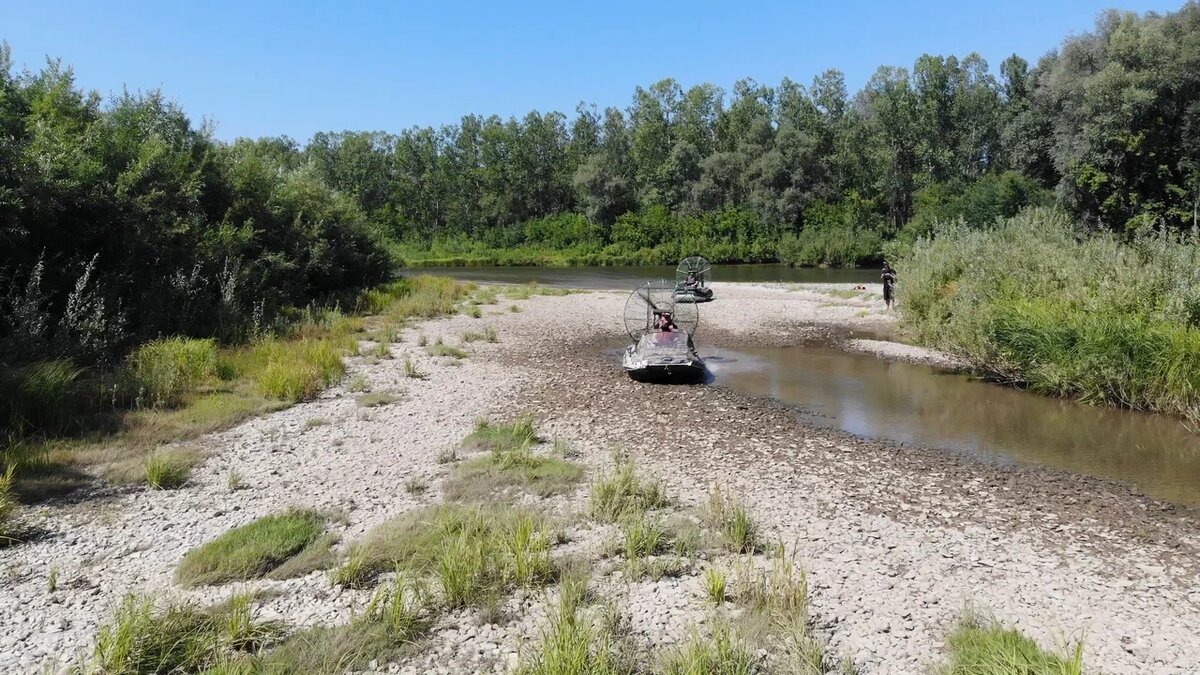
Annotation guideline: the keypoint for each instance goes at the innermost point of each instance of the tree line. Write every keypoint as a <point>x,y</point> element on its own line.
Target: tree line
<point>122,219</point>
<point>1107,126</point>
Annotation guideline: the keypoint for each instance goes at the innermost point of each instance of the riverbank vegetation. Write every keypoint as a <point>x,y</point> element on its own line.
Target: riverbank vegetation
<point>62,425</point>
<point>1038,302</point>
<point>1105,127</point>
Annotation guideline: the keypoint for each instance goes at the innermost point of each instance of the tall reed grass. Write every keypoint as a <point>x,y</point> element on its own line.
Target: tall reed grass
<point>41,399</point>
<point>161,372</point>
<point>1033,301</point>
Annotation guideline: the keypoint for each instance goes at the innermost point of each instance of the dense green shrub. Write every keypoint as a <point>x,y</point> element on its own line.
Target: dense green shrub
<point>1034,301</point>
<point>123,222</point>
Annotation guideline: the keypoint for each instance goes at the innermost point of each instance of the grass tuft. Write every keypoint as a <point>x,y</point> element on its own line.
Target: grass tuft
<point>297,370</point>
<point>402,607</point>
<point>142,639</point>
<point>160,373</point>
<point>982,647</point>
<point>474,553</point>
<point>502,437</point>
<point>623,493</point>
<point>252,550</point>
<point>167,470</point>
<point>738,528</point>
<point>721,653</point>
<point>482,478</point>
<point>358,385</point>
<point>8,506</point>
<point>411,371</point>
<point>416,486</point>
<point>573,643</point>
<point>715,583</point>
<point>439,348</point>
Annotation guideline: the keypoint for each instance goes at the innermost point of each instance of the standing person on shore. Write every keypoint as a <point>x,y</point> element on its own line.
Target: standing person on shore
<point>889,285</point>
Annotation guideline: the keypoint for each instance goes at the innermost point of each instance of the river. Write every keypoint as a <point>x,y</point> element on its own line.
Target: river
<point>918,405</point>
<point>623,277</point>
<point>921,406</point>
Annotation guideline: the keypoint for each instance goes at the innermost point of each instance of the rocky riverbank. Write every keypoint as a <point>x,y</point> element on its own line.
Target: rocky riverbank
<point>895,541</point>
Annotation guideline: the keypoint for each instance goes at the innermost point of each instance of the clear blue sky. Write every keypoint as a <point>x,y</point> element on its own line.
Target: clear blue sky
<point>268,67</point>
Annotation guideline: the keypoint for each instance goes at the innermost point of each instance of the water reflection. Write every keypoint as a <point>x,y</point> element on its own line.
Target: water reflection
<point>629,277</point>
<point>920,406</point>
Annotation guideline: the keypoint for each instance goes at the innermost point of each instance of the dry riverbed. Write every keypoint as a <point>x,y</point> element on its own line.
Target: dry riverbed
<point>896,541</point>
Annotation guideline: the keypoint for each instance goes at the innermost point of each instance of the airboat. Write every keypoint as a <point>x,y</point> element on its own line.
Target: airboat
<point>691,280</point>
<point>661,329</point>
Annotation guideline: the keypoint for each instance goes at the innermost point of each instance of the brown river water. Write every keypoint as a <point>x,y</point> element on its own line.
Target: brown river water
<point>921,406</point>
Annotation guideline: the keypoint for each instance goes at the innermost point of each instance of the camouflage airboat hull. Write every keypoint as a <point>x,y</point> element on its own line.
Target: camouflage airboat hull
<point>664,357</point>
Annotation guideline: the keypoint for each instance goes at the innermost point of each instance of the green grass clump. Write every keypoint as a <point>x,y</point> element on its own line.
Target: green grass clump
<point>571,643</point>
<point>423,297</point>
<point>326,650</point>
<point>160,373</point>
<point>252,550</point>
<point>167,470</point>
<point>143,639</point>
<point>622,493</point>
<point>297,370</point>
<point>780,591</point>
<point>484,477</point>
<point>502,437</point>
<point>979,647</point>
<point>411,371</point>
<point>721,653</point>
<point>41,399</point>
<point>738,528</point>
<point>715,585</point>
<point>488,334</point>
<point>439,348</point>
<point>473,552</point>
<point>642,536</point>
<point>403,607</point>
<point>8,506</point>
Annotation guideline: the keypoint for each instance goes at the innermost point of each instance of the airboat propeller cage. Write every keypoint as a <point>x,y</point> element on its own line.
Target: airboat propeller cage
<point>654,298</point>
<point>694,265</point>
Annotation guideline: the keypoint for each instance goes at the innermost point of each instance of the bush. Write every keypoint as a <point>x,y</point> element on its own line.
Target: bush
<point>1034,301</point>
<point>841,235</point>
<point>250,551</point>
<point>162,372</point>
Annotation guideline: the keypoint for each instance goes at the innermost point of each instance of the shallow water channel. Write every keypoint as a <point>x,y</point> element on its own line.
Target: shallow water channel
<point>619,277</point>
<point>920,406</point>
